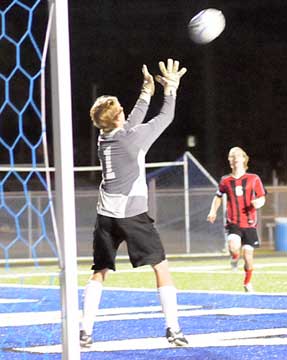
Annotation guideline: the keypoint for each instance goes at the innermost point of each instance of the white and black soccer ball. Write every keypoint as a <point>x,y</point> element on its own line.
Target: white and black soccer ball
<point>206,26</point>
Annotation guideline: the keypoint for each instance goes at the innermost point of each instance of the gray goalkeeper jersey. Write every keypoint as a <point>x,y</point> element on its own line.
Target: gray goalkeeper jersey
<point>123,190</point>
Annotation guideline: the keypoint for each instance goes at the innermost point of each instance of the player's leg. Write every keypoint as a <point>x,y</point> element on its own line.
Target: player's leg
<point>247,252</point>
<point>168,298</point>
<point>145,248</point>
<point>234,244</point>
<point>234,247</point>
<point>250,241</point>
<point>105,246</point>
<point>92,297</point>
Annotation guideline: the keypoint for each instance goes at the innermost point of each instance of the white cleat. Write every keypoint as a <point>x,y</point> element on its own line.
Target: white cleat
<point>248,288</point>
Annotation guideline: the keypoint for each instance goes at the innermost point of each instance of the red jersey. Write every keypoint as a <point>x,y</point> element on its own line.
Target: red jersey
<point>239,193</point>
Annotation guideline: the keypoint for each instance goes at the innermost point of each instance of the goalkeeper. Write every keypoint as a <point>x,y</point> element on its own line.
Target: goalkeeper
<point>123,196</point>
<point>245,194</point>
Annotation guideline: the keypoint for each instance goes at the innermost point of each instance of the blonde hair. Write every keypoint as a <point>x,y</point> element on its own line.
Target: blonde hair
<point>246,157</point>
<point>104,112</point>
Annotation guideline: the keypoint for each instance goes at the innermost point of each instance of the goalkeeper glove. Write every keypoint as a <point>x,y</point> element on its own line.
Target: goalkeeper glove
<point>170,77</point>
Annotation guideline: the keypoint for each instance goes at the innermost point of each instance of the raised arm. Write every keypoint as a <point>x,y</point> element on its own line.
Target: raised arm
<point>170,78</point>
<point>140,109</point>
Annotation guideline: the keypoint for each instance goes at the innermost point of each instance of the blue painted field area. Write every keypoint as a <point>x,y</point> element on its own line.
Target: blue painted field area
<point>130,325</point>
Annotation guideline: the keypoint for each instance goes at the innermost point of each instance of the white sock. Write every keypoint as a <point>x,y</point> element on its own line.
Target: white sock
<point>92,297</point>
<point>168,299</point>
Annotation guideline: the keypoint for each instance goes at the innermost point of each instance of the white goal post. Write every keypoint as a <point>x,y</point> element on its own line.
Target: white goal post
<point>64,176</point>
<point>188,156</point>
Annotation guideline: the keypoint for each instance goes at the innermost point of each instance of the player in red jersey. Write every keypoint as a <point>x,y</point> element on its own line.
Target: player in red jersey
<point>245,194</point>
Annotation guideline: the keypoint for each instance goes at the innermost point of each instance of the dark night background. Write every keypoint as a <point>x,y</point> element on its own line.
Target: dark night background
<point>234,93</point>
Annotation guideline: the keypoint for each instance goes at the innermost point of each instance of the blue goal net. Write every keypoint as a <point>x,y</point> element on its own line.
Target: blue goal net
<point>26,209</point>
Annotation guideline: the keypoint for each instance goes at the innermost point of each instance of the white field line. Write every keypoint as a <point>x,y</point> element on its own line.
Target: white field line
<point>16,301</point>
<point>198,269</point>
<point>111,314</point>
<point>261,337</point>
<point>122,314</point>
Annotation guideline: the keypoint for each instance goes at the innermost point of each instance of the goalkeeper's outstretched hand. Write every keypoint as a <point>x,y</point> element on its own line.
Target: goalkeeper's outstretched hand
<point>171,76</point>
<point>148,83</point>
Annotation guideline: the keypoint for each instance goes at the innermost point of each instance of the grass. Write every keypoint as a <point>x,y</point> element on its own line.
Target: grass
<point>211,274</point>
<point>269,276</point>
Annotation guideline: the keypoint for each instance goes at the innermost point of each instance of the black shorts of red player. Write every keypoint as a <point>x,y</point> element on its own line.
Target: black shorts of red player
<point>248,236</point>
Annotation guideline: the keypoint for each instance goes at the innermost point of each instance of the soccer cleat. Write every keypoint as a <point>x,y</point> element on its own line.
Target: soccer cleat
<point>85,340</point>
<point>248,288</point>
<point>176,337</point>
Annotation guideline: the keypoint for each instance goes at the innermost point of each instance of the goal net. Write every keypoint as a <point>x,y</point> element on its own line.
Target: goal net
<point>28,225</point>
<point>180,197</point>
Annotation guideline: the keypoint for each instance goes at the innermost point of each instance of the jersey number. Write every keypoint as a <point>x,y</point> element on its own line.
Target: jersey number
<point>107,166</point>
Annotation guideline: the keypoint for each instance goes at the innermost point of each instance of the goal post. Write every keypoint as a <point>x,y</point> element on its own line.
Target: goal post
<point>188,157</point>
<point>64,176</point>
<point>199,188</point>
<point>186,203</point>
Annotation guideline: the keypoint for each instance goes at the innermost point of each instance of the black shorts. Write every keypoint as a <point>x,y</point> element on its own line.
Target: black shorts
<point>143,241</point>
<point>248,235</point>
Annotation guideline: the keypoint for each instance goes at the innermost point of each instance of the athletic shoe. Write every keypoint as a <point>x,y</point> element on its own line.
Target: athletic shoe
<point>248,288</point>
<point>85,340</point>
<point>234,264</point>
<point>176,337</point>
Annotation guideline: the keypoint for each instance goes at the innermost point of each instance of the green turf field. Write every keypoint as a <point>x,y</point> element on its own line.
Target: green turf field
<point>189,273</point>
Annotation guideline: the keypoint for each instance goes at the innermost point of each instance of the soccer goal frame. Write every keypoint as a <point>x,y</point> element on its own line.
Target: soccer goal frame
<point>188,156</point>
<point>64,176</point>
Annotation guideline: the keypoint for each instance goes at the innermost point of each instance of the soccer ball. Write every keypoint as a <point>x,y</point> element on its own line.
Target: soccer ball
<point>206,26</point>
